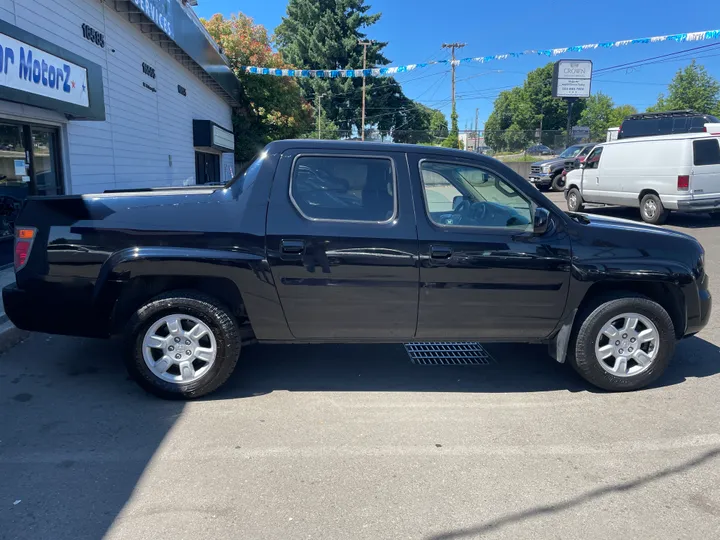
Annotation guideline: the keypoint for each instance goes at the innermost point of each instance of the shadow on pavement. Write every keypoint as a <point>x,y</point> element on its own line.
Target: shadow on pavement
<point>675,219</point>
<point>75,437</point>
<point>386,368</point>
<point>545,510</point>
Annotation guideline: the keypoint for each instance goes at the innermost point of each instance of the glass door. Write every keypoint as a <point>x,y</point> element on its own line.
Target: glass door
<point>46,161</point>
<point>29,165</point>
<point>14,175</point>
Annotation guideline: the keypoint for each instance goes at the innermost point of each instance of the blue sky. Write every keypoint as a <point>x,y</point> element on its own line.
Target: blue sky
<point>415,29</point>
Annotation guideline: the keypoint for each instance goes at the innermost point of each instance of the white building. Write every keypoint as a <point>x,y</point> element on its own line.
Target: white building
<point>109,94</point>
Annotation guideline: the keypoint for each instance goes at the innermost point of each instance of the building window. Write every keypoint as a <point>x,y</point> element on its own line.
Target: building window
<point>207,168</point>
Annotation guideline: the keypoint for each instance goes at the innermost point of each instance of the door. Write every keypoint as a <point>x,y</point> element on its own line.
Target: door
<point>705,181</point>
<point>484,274</point>
<point>46,161</point>
<point>207,168</point>
<point>14,179</point>
<point>591,187</point>
<point>342,245</point>
<point>29,165</point>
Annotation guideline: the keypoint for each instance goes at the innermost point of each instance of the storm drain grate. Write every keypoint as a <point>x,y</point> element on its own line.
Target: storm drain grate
<point>459,353</point>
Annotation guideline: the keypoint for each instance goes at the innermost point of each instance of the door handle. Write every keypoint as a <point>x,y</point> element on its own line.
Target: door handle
<point>292,247</point>
<point>440,252</point>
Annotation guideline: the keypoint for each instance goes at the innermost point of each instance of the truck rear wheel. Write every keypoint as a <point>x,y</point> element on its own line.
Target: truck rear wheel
<point>622,343</point>
<point>652,210</point>
<point>182,345</point>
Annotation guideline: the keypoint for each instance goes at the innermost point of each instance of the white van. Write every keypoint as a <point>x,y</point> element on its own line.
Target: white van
<point>656,174</point>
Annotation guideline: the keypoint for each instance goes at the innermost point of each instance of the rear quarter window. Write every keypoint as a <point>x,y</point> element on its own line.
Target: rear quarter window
<point>706,152</point>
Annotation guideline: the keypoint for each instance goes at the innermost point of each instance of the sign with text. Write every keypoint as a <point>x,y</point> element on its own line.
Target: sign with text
<point>35,71</point>
<point>572,78</point>
<point>159,12</point>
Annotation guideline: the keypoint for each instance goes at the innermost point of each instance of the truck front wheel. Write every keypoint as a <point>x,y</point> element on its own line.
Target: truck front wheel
<point>574,200</point>
<point>623,342</point>
<point>558,182</point>
<point>182,345</point>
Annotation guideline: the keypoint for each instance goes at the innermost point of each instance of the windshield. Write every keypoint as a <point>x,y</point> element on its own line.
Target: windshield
<point>571,151</point>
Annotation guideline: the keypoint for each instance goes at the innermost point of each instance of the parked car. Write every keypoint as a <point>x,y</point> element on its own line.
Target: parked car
<point>327,241</point>
<point>548,173</point>
<point>539,150</point>
<point>655,174</point>
<point>664,123</point>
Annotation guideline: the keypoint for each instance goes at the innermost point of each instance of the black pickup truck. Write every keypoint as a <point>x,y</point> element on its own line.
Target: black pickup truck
<point>322,241</point>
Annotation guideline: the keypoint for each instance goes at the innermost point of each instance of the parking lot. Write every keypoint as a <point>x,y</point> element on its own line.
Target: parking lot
<point>356,442</point>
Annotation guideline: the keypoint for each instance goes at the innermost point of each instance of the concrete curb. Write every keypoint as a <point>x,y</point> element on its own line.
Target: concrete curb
<point>10,335</point>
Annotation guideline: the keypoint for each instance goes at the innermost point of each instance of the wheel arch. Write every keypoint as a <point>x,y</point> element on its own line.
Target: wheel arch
<point>647,191</point>
<point>667,295</point>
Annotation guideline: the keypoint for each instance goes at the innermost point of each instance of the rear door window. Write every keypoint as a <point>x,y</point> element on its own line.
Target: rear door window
<point>706,152</point>
<point>338,188</point>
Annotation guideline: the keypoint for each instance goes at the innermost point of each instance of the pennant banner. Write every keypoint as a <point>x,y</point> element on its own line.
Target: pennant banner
<point>380,72</point>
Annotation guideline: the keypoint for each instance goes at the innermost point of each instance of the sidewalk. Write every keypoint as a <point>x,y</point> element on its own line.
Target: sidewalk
<point>9,335</point>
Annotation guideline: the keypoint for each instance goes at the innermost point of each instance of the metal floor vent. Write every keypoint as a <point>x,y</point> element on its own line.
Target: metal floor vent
<point>459,353</point>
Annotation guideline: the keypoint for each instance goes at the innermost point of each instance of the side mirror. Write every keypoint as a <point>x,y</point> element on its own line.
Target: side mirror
<point>583,164</point>
<point>457,199</point>
<point>541,221</point>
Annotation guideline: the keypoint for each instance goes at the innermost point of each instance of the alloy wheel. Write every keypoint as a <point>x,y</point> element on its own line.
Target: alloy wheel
<point>179,348</point>
<point>627,345</point>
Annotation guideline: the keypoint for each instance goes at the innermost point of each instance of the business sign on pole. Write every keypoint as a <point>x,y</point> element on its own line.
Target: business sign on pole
<point>581,132</point>
<point>572,78</point>
<point>35,71</point>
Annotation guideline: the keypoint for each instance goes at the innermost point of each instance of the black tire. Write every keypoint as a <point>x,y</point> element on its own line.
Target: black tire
<point>715,216</point>
<point>542,187</point>
<point>204,308</point>
<point>558,182</point>
<point>652,210</point>
<point>574,200</point>
<point>588,325</point>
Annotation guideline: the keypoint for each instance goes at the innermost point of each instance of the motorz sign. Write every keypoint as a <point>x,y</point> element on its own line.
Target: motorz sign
<point>33,70</point>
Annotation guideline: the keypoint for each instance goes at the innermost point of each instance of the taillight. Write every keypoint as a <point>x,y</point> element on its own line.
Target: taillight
<point>24,237</point>
<point>683,182</point>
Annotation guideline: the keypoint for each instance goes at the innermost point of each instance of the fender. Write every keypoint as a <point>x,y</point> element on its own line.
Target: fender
<point>249,272</point>
<point>608,271</point>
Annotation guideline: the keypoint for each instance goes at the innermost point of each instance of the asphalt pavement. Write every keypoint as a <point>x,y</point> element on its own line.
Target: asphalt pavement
<point>339,441</point>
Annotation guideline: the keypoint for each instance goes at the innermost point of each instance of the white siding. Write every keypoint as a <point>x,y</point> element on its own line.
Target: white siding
<point>145,131</point>
<point>7,11</point>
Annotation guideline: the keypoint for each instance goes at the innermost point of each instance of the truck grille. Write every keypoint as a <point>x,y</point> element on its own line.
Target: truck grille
<point>535,169</point>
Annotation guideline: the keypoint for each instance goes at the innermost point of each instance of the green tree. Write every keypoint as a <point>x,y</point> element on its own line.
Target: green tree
<point>422,125</point>
<point>324,34</point>
<point>600,113</point>
<point>328,128</point>
<point>453,138</point>
<point>272,107</point>
<point>691,88</point>
<point>523,108</point>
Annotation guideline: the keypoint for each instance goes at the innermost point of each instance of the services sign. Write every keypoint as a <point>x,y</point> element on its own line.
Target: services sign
<point>159,12</point>
<point>35,71</point>
<point>572,78</point>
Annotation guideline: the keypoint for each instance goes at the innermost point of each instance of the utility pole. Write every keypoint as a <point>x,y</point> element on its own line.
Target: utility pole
<point>452,47</point>
<point>477,144</point>
<point>365,46</point>
<point>318,97</point>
